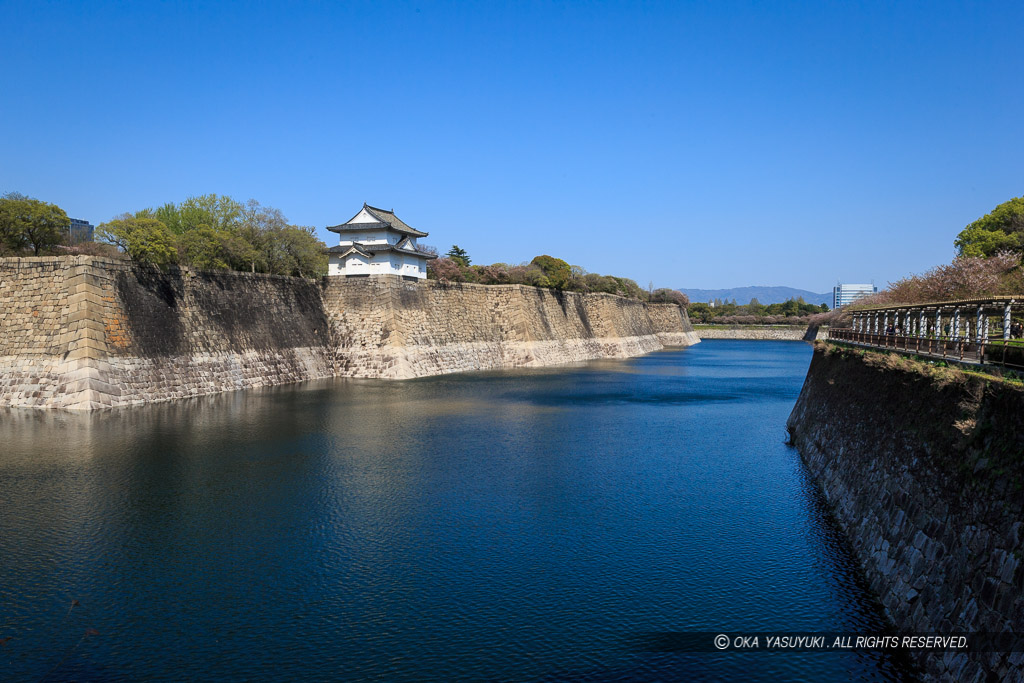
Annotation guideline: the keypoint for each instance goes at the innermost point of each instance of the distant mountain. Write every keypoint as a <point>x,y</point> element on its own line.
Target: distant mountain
<point>764,295</point>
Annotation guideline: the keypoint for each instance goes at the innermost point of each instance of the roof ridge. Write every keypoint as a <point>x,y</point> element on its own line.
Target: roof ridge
<point>383,217</point>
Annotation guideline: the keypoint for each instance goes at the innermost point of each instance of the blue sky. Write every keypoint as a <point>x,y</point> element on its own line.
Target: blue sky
<point>710,144</point>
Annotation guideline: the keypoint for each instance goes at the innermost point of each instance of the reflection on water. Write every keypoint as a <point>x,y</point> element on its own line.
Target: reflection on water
<point>504,526</point>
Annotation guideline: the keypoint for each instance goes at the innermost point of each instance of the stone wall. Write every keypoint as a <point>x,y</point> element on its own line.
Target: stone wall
<point>85,333</point>
<point>33,306</point>
<point>765,333</point>
<point>101,333</point>
<point>922,468</point>
<point>37,328</point>
<point>672,325</point>
<point>388,327</point>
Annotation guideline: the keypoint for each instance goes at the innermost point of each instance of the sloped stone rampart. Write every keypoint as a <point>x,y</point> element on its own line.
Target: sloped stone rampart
<point>84,333</point>
<point>90,333</point>
<point>922,467</point>
<point>387,327</point>
<point>672,325</point>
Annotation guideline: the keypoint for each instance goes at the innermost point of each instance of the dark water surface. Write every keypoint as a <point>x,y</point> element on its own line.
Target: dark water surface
<point>496,526</point>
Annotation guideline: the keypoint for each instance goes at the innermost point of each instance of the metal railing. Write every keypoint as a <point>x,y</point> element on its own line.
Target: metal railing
<point>1005,352</point>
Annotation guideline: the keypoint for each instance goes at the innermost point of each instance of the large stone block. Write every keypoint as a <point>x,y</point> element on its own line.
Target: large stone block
<point>118,335</point>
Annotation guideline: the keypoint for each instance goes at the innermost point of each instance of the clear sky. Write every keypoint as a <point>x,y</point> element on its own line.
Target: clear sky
<point>700,144</point>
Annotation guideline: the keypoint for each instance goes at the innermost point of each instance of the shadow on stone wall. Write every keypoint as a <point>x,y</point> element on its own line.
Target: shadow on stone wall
<point>150,303</point>
<point>177,312</point>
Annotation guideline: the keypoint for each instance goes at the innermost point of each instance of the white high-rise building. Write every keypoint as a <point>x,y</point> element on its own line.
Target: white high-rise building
<point>843,295</point>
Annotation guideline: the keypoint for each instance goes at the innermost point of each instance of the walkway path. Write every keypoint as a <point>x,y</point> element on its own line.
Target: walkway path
<point>982,331</point>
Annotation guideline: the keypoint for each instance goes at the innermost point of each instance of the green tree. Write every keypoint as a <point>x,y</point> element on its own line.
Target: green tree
<point>976,241</point>
<point>145,240</point>
<point>1000,230</point>
<point>215,232</point>
<point>535,277</point>
<point>669,296</point>
<point>605,284</point>
<point>12,214</point>
<point>555,270</point>
<point>31,224</point>
<point>238,252</point>
<point>219,212</point>
<point>628,287</point>
<point>203,248</point>
<point>303,252</point>
<point>701,312</point>
<point>459,255</point>
<point>257,226</point>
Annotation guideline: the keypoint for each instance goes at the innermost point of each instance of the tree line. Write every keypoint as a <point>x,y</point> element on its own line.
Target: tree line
<point>793,311</point>
<point>215,232</point>
<point>1000,230</point>
<point>31,226</point>
<point>208,232</point>
<point>988,262</point>
<point>544,271</point>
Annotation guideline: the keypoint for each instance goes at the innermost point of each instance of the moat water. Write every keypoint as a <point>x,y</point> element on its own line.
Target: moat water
<point>522,526</point>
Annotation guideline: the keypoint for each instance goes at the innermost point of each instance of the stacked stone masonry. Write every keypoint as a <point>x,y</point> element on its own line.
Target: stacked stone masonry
<point>766,333</point>
<point>84,333</point>
<point>925,476</point>
<point>387,327</point>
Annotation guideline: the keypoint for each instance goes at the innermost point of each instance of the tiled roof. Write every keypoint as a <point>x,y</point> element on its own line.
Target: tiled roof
<point>386,219</point>
<point>369,249</point>
<point>394,221</point>
<point>342,248</point>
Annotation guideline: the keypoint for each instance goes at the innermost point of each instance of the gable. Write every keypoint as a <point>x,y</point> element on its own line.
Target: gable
<point>377,219</point>
<point>345,251</point>
<point>364,216</point>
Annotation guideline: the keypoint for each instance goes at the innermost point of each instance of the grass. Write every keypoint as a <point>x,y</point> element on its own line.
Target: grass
<point>942,371</point>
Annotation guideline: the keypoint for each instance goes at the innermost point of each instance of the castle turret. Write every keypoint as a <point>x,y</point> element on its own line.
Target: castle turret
<point>377,242</point>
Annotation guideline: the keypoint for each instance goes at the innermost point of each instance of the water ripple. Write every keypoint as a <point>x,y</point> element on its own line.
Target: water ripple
<point>518,526</point>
